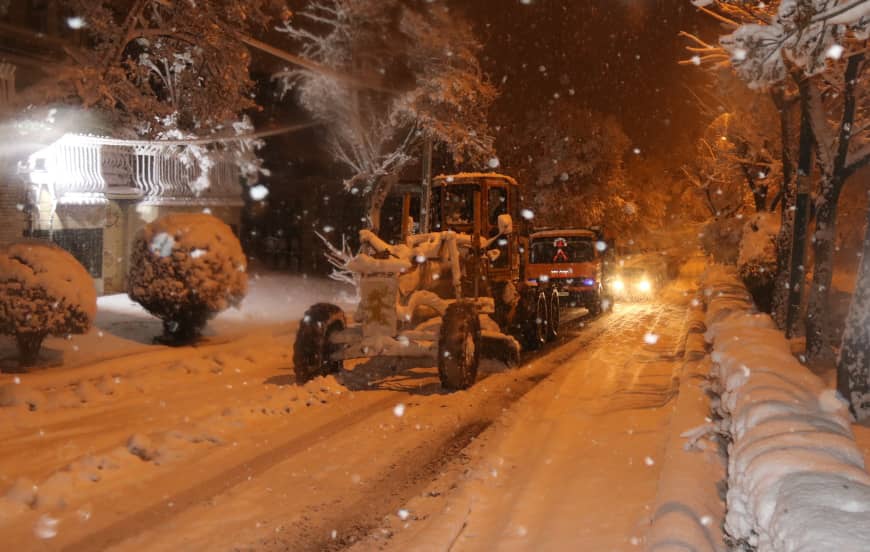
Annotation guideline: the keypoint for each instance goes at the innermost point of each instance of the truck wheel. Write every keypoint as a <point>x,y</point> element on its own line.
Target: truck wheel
<point>595,307</point>
<point>459,346</point>
<point>536,322</point>
<point>553,316</point>
<point>312,350</point>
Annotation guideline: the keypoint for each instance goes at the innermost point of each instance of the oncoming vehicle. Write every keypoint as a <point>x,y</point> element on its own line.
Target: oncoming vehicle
<point>634,283</point>
<point>572,259</point>
<point>452,293</point>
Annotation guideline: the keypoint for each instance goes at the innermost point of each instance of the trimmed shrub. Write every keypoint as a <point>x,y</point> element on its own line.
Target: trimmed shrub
<point>184,269</point>
<point>43,291</point>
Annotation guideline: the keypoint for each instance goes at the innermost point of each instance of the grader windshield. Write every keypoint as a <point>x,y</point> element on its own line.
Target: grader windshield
<point>471,203</point>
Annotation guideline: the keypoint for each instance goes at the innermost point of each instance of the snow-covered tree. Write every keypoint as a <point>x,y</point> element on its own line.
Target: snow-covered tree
<point>853,364</point>
<point>43,291</point>
<point>152,65</point>
<point>162,70</point>
<point>819,44</point>
<point>570,161</point>
<point>185,268</point>
<point>423,79</point>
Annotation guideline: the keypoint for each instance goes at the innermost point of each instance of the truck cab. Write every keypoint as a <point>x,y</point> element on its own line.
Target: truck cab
<point>572,260</point>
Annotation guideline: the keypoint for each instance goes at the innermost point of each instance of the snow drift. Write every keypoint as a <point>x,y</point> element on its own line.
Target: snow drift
<point>796,478</point>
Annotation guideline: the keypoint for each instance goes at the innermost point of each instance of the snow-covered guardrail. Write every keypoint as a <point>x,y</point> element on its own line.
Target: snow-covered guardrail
<point>796,479</point>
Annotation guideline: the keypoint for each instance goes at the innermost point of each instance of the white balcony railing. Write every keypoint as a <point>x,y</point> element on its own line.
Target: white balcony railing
<point>91,169</point>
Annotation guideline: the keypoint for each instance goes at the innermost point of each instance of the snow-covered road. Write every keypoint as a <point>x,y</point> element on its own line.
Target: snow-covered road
<point>215,448</point>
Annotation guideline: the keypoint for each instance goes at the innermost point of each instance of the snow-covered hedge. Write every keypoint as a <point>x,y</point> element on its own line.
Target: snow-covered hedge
<point>721,238</point>
<point>43,291</point>
<point>796,480</point>
<point>186,268</point>
<point>756,262</point>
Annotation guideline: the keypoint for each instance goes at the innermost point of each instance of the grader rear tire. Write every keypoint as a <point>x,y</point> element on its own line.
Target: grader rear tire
<point>312,350</point>
<point>459,346</point>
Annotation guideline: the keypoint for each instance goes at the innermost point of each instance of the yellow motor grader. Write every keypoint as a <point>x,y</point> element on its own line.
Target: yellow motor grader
<point>452,293</point>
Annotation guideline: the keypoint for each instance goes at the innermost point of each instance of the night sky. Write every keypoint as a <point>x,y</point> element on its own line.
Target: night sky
<point>618,56</point>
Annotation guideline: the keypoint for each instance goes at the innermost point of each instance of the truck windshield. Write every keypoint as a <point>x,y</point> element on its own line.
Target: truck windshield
<point>562,250</point>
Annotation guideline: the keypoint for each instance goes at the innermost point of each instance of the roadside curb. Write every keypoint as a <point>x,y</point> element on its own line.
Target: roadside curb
<point>688,511</point>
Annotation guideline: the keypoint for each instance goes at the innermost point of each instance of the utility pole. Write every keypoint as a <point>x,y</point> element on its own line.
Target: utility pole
<point>426,181</point>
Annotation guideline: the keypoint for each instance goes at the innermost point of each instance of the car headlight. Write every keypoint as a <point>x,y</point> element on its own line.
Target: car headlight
<point>644,286</point>
<point>617,285</point>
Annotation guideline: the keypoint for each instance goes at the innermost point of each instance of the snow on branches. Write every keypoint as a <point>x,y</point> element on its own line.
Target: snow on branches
<point>155,59</point>
<point>416,77</point>
<point>770,38</point>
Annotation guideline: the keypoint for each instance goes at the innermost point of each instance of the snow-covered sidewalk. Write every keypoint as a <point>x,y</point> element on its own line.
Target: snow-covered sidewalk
<point>124,328</point>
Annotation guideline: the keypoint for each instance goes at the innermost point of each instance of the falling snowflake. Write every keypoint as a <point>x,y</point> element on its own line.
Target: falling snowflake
<point>403,514</point>
<point>493,163</point>
<point>258,192</point>
<point>706,520</point>
<point>399,410</point>
<point>527,214</point>
<point>649,461</point>
<point>650,338</point>
<point>834,52</point>
<point>162,244</point>
<point>75,22</point>
<point>600,245</point>
<point>17,380</point>
<point>696,60</point>
<point>197,253</point>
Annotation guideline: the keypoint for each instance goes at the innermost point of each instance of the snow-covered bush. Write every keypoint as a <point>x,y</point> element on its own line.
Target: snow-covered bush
<point>756,263</point>
<point>721,238</point>
<point>43,291</point>
<point>186,268</point>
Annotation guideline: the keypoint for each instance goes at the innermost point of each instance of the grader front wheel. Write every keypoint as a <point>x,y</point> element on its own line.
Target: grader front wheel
<point>312,351</point>
<point>459,346</point>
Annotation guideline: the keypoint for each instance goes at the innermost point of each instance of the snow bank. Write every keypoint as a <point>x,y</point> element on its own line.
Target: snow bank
<point>758,241</point>
<point>796,477</point>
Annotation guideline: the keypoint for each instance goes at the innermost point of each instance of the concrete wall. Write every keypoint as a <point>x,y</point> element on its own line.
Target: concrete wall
<point>12,211</point>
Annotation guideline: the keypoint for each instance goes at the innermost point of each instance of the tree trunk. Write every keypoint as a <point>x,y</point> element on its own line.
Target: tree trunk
<point>787,194</point>
<point>826,218</point>
<point>28,347</point>
<point>379,194</point>
<point>818,344</point>
<point>853,365</point>
<point>801,217</point>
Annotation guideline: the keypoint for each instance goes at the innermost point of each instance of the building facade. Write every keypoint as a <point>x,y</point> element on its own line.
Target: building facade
<point>90,195</point>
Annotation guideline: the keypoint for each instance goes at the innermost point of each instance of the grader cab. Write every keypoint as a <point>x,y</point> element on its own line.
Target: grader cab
<point>451,293</point>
